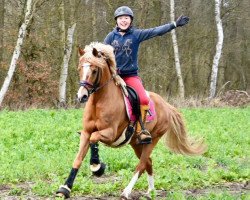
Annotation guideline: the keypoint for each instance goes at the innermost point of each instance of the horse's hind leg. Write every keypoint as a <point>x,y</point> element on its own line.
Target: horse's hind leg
<point>127,191</point>
<point>143,152</point>
<point>64,190</point>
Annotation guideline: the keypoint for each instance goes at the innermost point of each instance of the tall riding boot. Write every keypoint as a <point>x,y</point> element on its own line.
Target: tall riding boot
<point>143,135</point>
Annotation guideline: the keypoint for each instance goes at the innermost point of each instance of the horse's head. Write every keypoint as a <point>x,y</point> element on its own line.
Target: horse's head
<point>93,61</point>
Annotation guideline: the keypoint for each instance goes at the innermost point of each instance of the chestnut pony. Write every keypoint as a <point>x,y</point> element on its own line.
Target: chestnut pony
<point>105,117</point>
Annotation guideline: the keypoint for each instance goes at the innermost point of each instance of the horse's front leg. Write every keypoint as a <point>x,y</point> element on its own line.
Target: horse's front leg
<point>64,190</point>
<point>106,135</point>
<point>96,166</point>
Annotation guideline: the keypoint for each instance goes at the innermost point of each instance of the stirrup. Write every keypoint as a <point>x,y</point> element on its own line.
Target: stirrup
<point>147,140</point>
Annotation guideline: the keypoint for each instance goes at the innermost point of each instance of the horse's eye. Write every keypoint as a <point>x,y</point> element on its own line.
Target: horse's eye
<point>94,71</point>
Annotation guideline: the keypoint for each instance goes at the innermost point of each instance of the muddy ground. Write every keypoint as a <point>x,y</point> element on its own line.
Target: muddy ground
<point>23,191</point>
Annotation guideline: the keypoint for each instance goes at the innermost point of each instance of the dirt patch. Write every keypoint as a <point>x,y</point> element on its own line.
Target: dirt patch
<point>23,191</point>
<point>236,98</point>
<point>232,188</point>
<point>230,98</point>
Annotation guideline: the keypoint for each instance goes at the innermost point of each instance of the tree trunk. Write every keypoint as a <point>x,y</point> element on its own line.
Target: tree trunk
<point>176,52</point>
<point>94,20</point>
<point>17,50</point>
<point>1,39</point>
<point>64,70</point>
<point>219,46</point>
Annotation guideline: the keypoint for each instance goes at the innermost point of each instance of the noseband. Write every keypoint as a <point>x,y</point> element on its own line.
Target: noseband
<point>92,88</point>
<point>89,87</point>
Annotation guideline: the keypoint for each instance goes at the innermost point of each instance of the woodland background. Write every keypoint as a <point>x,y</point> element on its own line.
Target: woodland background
<point>36,79</point>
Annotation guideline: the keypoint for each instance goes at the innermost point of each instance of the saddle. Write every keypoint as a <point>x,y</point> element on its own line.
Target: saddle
<point>134,102</point>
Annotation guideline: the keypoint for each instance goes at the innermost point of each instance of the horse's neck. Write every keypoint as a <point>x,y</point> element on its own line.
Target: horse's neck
<point>109,93</point>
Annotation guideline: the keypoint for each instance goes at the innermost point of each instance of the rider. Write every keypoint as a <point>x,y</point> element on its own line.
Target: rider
<point>126,40</point>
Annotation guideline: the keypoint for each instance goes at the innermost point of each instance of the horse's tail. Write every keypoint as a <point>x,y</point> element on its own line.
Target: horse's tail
<point>177,139</point>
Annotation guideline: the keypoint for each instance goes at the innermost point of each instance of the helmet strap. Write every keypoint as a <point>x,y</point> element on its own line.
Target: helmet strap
<point>123,30</point>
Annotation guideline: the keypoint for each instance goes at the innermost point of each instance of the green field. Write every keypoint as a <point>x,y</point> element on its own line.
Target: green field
<point>37,148</point>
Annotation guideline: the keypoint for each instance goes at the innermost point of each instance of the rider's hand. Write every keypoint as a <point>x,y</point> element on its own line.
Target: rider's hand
<point>182,20</point>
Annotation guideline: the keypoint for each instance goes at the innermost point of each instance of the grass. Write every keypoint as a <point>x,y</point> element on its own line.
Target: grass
<point>39,146</point>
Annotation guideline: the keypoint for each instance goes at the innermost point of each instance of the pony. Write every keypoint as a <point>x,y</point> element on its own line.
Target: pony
<point>105,119</point>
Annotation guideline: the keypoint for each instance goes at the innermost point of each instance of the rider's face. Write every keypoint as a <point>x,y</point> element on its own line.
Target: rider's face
<point>124,22</point>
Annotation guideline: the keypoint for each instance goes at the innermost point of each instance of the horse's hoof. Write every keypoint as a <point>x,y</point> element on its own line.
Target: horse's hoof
<point>60,195</point>
<point>125,195</point>
<point>98,170</point>
<point>123,198</point>
<point>63,192</point>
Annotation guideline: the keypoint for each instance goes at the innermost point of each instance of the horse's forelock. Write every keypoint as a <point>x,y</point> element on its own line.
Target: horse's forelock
<point>106,50</point>
<point>89,57</point>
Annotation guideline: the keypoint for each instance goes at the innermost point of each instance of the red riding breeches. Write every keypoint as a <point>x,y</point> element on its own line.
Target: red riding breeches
<point>136,83</point>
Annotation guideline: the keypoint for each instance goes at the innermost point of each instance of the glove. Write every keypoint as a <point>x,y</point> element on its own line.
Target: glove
<point>182,20</point>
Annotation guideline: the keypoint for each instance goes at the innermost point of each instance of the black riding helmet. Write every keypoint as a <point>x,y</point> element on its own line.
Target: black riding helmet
<point>123,10</point>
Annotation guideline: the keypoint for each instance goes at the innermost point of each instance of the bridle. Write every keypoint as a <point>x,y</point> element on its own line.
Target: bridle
<point>94,87</point>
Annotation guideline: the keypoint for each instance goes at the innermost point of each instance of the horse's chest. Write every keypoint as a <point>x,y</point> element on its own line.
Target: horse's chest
<point>97,123</point>
<point>101,117</point>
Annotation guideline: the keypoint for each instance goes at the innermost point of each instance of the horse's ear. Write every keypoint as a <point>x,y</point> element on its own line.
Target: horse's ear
<point>95,52</point>
<point>80,51</point>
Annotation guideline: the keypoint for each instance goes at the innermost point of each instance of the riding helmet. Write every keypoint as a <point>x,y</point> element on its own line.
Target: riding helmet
<point>123,10</point>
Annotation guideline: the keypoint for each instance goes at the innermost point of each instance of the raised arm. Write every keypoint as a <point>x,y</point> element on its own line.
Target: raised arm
<point>145,34</point>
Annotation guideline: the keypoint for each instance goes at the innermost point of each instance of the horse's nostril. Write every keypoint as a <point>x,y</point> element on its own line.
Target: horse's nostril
<point>84,98</point>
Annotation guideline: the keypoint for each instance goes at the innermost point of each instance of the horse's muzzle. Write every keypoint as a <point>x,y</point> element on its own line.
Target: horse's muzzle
<point>83,99</point>
<point>82,95</point>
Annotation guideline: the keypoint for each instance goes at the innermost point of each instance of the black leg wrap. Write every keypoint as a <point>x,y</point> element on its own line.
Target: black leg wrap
<point>100,171</point>
<point>146,141</point>
<point>69,182</point>
<point>94,159</point>
<point>96,166</point>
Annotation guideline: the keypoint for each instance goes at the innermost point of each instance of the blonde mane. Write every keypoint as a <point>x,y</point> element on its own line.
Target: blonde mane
<point>106,50</point>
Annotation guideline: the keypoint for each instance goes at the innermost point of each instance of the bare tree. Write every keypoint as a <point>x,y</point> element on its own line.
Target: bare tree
<point>219,46</point>
<point>1,37</point>
<point>30,5</point>
<point>68,43</point>
<point>64,66</point>
<point>64,69</point>
<point>176,52</point>
<point>94,18</point>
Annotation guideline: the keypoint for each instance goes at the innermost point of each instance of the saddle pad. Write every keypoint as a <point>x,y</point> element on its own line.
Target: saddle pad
<point>150,115</point>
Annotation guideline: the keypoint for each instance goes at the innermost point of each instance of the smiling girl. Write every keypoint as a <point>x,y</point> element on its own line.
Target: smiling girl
<point>126,41</point>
